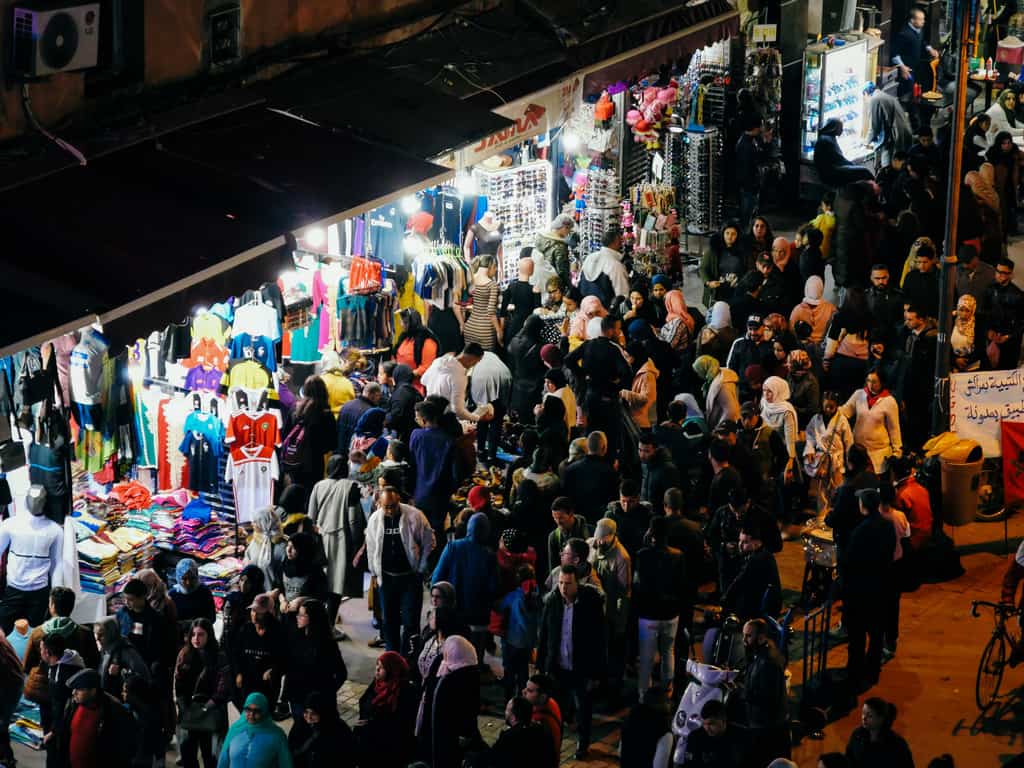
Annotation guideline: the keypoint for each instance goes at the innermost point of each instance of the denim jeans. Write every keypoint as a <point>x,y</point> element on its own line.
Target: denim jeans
<point>657,636</point>
<point>488,434</point>
<point>401,600</point>
<point>516,664</point>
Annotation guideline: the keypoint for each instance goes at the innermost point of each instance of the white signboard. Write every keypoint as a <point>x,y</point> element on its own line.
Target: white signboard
<point>980,401</point>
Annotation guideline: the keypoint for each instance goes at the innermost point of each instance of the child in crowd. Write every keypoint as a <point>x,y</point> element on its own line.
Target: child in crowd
<point>829,437</point>
<point>812,261</point>
<point>521,610</point>
<point>825,222</point>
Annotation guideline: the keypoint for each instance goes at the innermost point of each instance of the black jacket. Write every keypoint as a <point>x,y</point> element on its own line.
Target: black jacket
<point>922,290</point>
<point>527,375</point>
<point>312,666</point>
<point>348,417</point>
<point>456,704</point>
<point>330,747</point>
<point>600,362</point>
<point>517,303</point>
<point>746,352</point>
<point>764,689</point>
<point>632,526</point>
<point>865,565</point>
<point>890,751</point>
<point>748,160</point>
<point>844,515</point>
<point>703,751</point>
<point>833,168</point>
<point>115,740</point>
<point>745,595</point>
<point>641,733</point>
<point>591,483</point>
<point>385,738</point>
<point>401,415</point>
<point>589,654</point>
<point>516,746</point>
<point>656,477</point>
<point>252,655</point>
<point>660,585</point>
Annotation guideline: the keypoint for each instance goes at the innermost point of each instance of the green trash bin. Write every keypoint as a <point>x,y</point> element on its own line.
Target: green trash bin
<point>961,477</point>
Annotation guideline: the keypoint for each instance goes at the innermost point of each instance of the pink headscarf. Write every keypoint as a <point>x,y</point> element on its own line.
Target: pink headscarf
<point>590,308</point>
<point>781,242</point>
<point>675,305</point>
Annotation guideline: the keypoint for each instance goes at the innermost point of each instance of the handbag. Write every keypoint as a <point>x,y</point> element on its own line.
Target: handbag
<point>202,719</point>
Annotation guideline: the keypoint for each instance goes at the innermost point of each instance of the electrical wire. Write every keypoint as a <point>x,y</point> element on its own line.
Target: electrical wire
<point>454,68</point>
<point>26,103</point>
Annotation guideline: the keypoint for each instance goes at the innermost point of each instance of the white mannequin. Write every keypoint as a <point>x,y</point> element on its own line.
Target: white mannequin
<point>35,543</point>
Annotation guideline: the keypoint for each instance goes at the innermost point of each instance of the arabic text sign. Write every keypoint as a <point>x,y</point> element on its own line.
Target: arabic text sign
<point>979,401</point>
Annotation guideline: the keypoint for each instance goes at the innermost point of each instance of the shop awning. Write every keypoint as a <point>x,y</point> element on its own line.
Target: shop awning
<point>140,224</point>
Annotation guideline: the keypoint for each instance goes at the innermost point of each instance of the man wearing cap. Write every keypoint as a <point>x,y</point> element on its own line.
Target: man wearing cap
<point>865,576</point>
<point>612,564</point>
<point>258,652</point>
<point>747,350</point>
<point>96,729</point>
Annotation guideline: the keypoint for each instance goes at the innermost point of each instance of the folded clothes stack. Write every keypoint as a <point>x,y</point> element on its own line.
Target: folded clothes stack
<point>218,575</point>
<point>25,727</point>
<point>98,566</point>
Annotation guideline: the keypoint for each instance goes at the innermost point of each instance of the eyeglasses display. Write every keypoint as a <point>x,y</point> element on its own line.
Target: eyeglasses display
<point>703,176</point>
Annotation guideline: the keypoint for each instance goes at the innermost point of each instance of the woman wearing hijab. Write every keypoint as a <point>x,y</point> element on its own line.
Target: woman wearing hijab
<point>641,398</point>
<point>789,268</point>
<point>1004,156</point>
<point>1003,117</point>
<point>441,624</point>
<point>967,341</point>
<point>553,432</point>
<point>660,285</point>
<point>192,599</point>
<point>321,739</point>
<point>975,142</point>
<point>989,211</point>
<point>416,347</point>
<point>678,328</point>
<point>662,357</point>
<point>877,424</point>
<point>527,368</point>
<point>804,388</point>
<point>335,509</point>
<point>814,310</point>
<point>720,390</point>
<point>156,595</point>
<point>202,689</point>
<point>637,307</point>
<point>313,663</point>
<point>118,658</point>
<point>301,576</point>
<point>723,263</point>
<point>251,582</point>
<point>387,715</point>
<point>312,414</point>
<point>716,338</point>
<point>779,414</point>
<point>590,308</point>
<point>449,710</point>
<point>266,547</point>
<point>254,740</point>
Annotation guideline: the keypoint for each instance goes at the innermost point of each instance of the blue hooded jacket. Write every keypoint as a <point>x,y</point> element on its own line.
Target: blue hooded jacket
<point>472,568</point>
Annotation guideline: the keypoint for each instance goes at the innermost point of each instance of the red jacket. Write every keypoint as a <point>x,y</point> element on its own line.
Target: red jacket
<point>913,499</point>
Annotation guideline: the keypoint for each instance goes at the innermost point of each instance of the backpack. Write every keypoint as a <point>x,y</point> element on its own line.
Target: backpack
<point>601,287</point>
<point>294,448</point>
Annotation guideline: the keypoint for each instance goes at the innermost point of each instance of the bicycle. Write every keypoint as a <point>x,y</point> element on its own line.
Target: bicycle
<point>994,658</point>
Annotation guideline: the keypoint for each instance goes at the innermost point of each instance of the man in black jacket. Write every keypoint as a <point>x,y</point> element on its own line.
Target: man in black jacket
<point>520,743</point>
<point>764,696</point>
<point>258,653</point>
<point>756,590</point>
<point>751,349</point>
<point>631,515</point>
<point>572,648</point>
<point>660,591</point>
<point>601,363</point>
<point>352,411</point>
<point>916,386</point>
<point>1002,306</point>
<point>401,410</point>
<point>921,285</point>
<point>591,482</point>
<point>748,161</point>
<point>844,514</point>
<point>865,576</point>
<point>657,472</point>
<point>910,54</point>
<point>885,302</point>
<point>107,734</point>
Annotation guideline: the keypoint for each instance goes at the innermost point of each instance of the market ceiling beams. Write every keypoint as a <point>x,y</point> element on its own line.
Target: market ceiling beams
<point>525,45</point>
<point>144,223</point>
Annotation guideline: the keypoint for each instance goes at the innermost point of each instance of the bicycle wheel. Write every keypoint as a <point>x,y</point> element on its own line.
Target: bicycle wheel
<point>990,671</point>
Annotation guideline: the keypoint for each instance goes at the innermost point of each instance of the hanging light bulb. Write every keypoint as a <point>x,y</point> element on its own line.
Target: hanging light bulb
<point>465,184</point>
<point>315,237</point>
<point>570,141</point>
<point>410,205</point>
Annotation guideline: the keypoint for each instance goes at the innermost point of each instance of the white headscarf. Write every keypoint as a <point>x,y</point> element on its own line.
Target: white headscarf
<point>721,316</point>
<point>692,408</point>
<point>594,327</point>
<point>780,400</point>
<point>458,653</point>
<point>814,289</point>
<point>266,529</point>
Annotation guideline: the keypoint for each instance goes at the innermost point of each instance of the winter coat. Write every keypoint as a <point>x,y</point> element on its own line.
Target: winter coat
<point>609,263</point>
<point>558,538</point>
<point>528,374</point>
<point>745,596</point>
<point>764,689</point>
<point>312,665</point>
<point>657,476</point>
<point>723,398</point>
<point>470,566</point>
<point>591,483</point>
<point>334,507</point>
<point>456,704</point>
<point>417,539</point>
<point>876,428</point>
<point>521,618</point>
<point>115,735</point>
<point>385,737</point>
<point>865,564</point>
<point>556,253</point>
<point>615,572</point>
<point>642,398</point>
<point>890,751</point>
<point>78,639</point>
<point>659,583</point>
<point>589,651</point>
<point>401,416</point>
<point>833,168</point>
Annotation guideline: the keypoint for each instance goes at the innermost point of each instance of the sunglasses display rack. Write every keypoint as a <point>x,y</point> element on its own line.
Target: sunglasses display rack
<point>603,207</point>
<point>703,174</point>
<point>520,197</point>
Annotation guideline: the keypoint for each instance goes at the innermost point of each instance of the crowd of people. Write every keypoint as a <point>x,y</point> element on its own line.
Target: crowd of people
<point>661,453</point>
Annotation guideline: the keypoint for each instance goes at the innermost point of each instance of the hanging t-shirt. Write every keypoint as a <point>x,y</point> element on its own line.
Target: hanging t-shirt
<point>252,471</point>
<point>387,231</point>
<point>254,430</point>
<point>208,425</point>
<point>262,349</point>
<point>203,380</point>
<point>257,319</point>
<point>210,353</point>
<point>202,459</point>
<point>207,325</point>
<point>248,374</point>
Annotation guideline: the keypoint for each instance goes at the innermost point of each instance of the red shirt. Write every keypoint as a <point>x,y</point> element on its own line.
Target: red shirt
<point>550,718</point>
<point>84,737</point>
<point>913,499</point>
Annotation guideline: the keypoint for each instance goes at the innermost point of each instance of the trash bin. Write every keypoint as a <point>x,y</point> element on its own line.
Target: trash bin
<point>961,476</point>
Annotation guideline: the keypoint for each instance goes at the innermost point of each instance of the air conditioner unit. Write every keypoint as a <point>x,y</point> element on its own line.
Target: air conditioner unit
<point>55,37</point>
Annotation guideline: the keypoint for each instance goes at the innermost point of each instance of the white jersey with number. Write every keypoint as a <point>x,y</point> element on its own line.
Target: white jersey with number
<point>252,470</point>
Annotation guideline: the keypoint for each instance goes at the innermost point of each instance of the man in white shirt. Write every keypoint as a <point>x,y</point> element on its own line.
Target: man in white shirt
<point>447,378</point>
<point>604,274</point>
<point>490,383</point>
<point>35,543</point>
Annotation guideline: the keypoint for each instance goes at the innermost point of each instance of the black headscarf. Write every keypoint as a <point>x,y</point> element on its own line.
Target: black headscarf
<point>305,555</point>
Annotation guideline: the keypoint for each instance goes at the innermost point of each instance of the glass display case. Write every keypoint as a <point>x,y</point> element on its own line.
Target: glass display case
<point>834,80</point>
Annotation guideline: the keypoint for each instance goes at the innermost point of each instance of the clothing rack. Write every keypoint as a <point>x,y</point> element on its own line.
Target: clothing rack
<point>344,260</point>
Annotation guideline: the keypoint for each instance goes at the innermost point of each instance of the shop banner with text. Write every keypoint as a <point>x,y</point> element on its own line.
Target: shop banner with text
<point>1013,461</point>
<point>980,402</point>
<point>533,115</point>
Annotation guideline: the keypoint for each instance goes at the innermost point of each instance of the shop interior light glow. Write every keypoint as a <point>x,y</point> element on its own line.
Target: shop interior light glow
<point>465,184</point>
<point>410,205</point>
<point>315,237</point>
<point>412,246</point>
<point>570,141</point>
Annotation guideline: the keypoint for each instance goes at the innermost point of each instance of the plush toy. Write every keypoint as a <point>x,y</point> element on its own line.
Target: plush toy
<point>654,105</point>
